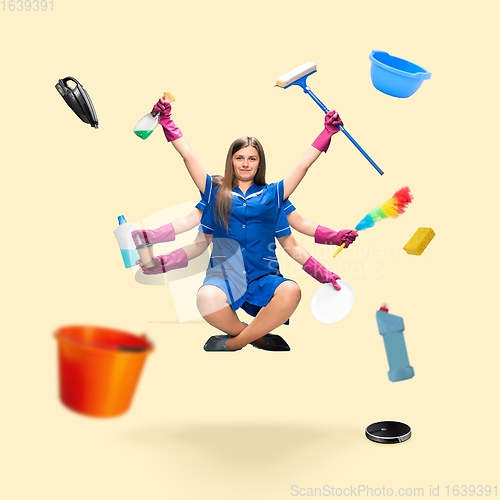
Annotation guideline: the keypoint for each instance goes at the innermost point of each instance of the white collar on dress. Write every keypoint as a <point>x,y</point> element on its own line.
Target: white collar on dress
<point>249,196</point>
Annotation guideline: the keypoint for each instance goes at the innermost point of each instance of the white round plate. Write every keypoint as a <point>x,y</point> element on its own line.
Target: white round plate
<point>329,305</point>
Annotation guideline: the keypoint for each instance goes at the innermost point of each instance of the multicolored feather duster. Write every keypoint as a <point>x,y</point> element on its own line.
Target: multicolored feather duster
<point>391,208</point>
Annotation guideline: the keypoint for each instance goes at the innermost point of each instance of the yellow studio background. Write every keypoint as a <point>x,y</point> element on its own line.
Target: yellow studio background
<point>252,424</point>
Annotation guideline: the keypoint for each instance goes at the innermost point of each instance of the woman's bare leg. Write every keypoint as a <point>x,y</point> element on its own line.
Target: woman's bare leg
<point>285,300</point>
<point>213,306</point>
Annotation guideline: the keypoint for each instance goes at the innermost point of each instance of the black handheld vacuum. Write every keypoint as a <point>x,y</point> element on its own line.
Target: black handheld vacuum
<point>78,100</point>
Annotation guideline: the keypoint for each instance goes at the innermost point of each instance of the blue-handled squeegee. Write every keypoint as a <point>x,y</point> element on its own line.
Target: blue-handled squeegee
<point>298,76</point>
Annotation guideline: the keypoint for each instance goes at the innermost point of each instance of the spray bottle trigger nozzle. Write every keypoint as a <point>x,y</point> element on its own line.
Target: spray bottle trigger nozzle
<point>167,96</point>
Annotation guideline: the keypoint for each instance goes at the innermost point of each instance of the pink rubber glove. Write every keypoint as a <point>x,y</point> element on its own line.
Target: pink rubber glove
<point>327,236</point>
<point>170,129</point>
<point>322,142</point>
<point>163,263</point>
<point>320,272</point>
<point>160,235</point>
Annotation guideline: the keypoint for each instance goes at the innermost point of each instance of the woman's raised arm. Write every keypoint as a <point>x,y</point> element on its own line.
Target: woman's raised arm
<point>320,145</point>
<point>193,165</point>
<point>298,172</point>
<point>174,135</point>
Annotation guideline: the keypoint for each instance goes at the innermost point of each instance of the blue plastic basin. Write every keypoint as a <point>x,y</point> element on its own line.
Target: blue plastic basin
<point>394,76</point>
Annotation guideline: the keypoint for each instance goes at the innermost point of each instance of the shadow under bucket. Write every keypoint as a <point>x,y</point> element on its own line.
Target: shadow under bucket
<point>99,368</point>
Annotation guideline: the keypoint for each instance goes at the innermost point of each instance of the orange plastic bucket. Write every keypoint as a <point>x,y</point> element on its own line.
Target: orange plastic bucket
<point>99,368</point>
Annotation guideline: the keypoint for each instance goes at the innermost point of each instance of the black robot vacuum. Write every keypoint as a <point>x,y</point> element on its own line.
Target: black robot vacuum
<point>388,432</point>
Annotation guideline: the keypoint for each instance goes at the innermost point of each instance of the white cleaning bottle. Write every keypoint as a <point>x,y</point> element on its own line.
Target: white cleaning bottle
<point>123,233</point>
<point>146,125</point>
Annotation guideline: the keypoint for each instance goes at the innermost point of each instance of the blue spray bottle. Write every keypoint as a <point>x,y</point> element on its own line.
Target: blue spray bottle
<point>391,328</point>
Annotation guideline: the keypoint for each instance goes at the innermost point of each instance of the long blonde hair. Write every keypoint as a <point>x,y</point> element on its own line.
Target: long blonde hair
<point>230,181</point>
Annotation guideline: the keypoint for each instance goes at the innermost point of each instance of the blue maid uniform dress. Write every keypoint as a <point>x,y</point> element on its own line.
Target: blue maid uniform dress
<point>243,262</point>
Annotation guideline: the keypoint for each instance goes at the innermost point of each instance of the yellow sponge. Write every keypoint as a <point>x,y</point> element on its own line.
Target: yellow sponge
<point>419,241</point>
